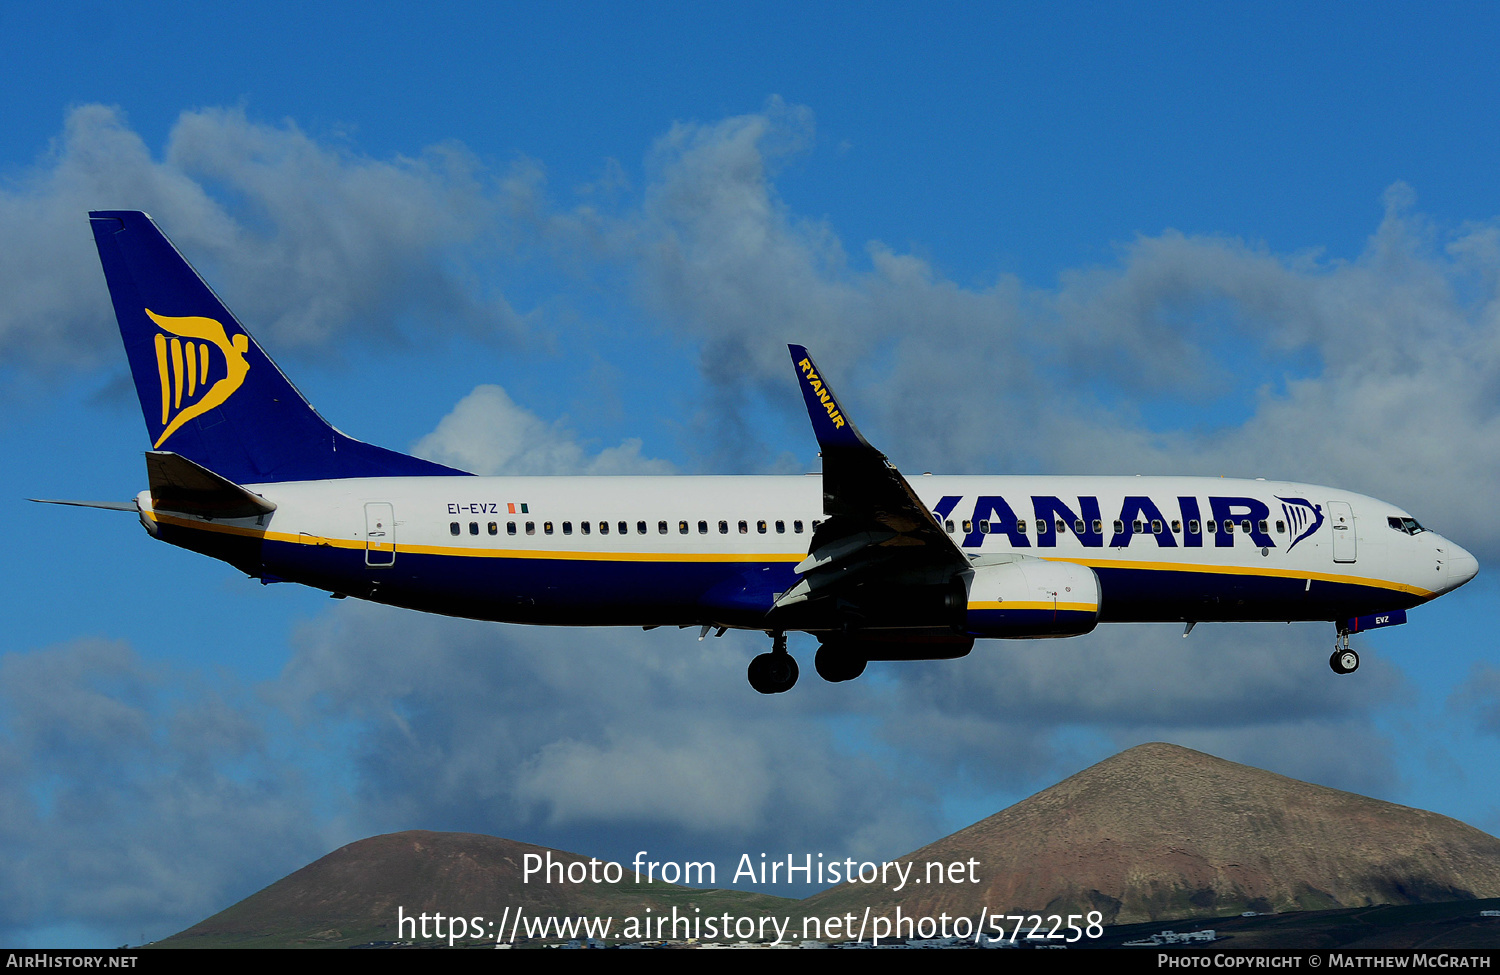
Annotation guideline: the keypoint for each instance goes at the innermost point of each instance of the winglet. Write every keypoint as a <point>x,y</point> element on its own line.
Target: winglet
<point>831,425</point>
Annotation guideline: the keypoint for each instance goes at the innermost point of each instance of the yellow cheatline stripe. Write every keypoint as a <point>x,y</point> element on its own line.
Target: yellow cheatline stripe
<point>1043,605</point>
<point>1249,570</point>
<point>514,553</point>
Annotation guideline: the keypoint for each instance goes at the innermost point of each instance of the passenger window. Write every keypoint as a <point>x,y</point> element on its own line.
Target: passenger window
<point>473,528</point>
<point>1062,526</point>
<point>1280,527</point>
<point>781,528</point>
<point>1119,527</point>
<point>1176,528</point>
<point>1245,526</point>
<point>603,527</point>
<point>510,528</point>
<point>1021,526</point>
<point>797,527</point>
<point>531,528</point>
<point>682,528</point>
<point>984,526</point>
<point>968,528</point>
<point>723,528</point>
<point>816,523</point>
<point>1155,526</point>
<point>1138,526</point>
<point>585,527</point>
<point>760,527</point>
<point>1229,528</point>
<point>1078,526</point>
<point>744,528</point>
<point>1041,526</point>
<point>453,528</point>
<point>1193,526</point>
<point>948,525</point>
<point>1262,526</point>
<point>624,527</point>
<point>494,528</point>
<point>703,528</point>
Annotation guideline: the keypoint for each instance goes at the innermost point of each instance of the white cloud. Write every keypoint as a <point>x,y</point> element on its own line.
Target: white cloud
<point>136,799</point>
<point>619,736</point>
<point>1378,374</point>
<point>307,242</point>
<point>488,433</point>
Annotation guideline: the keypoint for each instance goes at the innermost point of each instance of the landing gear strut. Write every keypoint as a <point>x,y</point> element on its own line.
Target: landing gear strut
<point>774,672</point>
<point>1343,660</point>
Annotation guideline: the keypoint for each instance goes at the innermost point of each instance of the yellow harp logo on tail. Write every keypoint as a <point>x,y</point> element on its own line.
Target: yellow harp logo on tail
<point>184,364</point>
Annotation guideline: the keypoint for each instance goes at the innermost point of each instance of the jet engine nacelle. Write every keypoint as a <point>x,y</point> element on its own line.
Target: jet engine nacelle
<point>1026,598</point>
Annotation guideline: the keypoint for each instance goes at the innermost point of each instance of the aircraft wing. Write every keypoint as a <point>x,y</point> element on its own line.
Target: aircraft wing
<point>878,533</point>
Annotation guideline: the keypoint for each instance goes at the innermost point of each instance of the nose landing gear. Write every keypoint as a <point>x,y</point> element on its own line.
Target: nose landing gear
<point>774,672</point>
<point>1343,660</point>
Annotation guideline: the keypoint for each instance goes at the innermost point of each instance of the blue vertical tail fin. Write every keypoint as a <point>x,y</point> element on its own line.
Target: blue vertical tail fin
<point>207,390</point>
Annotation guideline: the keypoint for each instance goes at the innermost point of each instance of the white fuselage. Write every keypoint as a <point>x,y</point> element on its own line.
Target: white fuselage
<point>718,550</point>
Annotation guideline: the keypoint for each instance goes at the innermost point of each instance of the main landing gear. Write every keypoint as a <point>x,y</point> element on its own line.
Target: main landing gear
<point>1343,660</point>
<point>774,672</point>
<point>837,662</point>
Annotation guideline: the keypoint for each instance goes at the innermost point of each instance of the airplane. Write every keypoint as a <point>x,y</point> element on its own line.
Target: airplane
<point>874,565</point>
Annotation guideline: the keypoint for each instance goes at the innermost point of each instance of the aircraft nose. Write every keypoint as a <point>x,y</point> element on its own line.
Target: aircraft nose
<point>1460,564</point>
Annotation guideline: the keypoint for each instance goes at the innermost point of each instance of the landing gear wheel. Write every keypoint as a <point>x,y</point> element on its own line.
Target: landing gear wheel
<point>773,673</point>
<point>1344,661</point>
<point>835,665</point>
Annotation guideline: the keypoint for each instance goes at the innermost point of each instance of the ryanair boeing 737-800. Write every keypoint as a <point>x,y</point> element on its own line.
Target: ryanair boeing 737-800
<point>875,566</point>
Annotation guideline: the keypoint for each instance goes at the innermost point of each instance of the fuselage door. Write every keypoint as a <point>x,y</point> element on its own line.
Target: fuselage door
<point>380,534</point>
<point>1344,542</point>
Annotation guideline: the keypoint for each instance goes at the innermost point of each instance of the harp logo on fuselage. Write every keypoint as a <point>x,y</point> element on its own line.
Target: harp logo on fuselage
<point>193,379</point>
<point>1303,516</point>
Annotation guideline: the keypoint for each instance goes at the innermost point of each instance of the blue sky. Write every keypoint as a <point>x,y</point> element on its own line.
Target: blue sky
<point>1245,239</point>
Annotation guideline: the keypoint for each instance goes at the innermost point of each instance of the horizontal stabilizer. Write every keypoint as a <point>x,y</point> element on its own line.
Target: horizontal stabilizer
<point>178,484</point>
<point>106,505</point>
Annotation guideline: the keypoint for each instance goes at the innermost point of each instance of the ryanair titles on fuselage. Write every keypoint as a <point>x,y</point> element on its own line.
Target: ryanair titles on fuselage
<point>1139,515</point>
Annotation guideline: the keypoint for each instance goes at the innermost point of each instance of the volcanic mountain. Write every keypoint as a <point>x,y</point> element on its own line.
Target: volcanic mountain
<point>1164,832</point>
<point>1157,832</point>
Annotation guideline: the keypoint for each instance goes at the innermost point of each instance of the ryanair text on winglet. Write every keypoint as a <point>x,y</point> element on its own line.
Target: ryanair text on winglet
<point>824,397</point>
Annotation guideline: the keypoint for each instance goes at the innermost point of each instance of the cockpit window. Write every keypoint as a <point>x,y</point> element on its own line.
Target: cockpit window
<point>1407,526</point>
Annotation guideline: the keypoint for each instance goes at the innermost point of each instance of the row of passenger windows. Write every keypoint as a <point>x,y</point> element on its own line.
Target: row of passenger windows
<point>1080,527</point>
<point>623,527</point>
